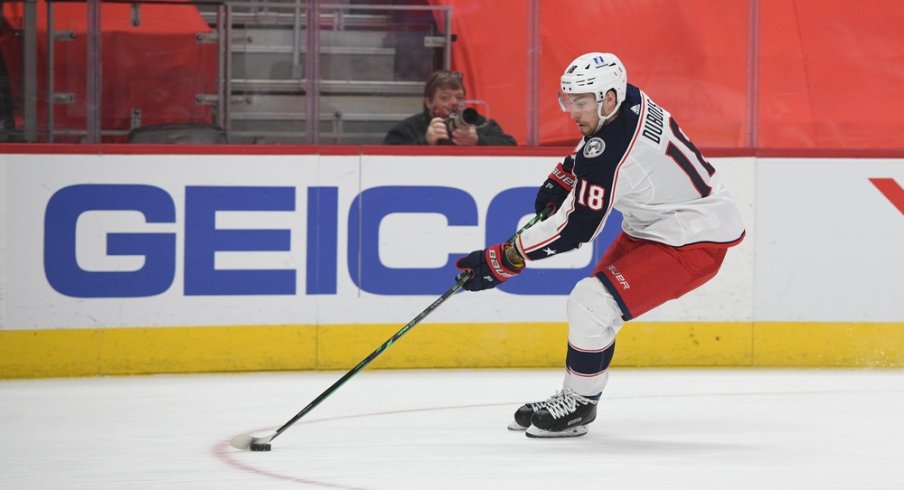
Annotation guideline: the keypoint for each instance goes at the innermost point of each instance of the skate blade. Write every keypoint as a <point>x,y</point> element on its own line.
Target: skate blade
<point>577,431</point>
<point>516,426</point>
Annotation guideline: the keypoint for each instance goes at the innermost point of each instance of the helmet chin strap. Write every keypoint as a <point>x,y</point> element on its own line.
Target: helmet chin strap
<point>611,115</point>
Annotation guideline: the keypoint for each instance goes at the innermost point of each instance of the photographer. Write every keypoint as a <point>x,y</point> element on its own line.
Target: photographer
<point>444,120</point>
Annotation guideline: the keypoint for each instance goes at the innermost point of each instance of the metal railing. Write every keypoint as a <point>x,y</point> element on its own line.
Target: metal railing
<point>232,24</point>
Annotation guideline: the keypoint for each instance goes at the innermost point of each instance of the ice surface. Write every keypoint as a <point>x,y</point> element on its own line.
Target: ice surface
<point>446,429</point>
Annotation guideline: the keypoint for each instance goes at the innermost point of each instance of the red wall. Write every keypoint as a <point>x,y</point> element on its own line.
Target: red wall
<point>828,72</point>
<point>157,67</point>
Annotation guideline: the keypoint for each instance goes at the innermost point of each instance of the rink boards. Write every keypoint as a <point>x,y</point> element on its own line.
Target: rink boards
<point>136,263</point>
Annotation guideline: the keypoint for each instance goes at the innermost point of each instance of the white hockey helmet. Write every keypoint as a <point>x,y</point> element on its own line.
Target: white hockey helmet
<point>595,73</point>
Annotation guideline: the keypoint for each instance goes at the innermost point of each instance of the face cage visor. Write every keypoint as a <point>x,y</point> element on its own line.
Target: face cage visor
<point>570,103</point>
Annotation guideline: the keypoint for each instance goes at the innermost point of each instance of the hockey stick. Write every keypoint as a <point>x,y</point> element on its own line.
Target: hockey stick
<point>246,441</point>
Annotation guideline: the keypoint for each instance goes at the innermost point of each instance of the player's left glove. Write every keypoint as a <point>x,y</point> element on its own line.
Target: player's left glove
<point>489,267</point>
<point>556,187</point>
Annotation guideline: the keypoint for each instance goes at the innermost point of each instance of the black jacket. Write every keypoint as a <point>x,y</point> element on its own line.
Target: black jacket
<point>412,131</point>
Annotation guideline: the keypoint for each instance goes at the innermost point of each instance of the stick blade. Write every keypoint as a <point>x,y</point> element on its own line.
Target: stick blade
<point>241,441</point>
<point>245,441</point>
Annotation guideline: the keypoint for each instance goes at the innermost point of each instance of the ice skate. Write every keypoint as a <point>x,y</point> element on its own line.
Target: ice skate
<point>565,414</point>
<point>523,415</point>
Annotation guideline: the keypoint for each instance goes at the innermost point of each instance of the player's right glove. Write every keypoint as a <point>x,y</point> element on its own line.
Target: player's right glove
<point>556,188</point>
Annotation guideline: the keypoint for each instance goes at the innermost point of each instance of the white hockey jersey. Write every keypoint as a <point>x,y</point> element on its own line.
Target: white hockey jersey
<point>644,166</point>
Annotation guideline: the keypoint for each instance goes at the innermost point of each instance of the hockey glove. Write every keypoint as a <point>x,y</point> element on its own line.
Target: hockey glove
<point>489,268</point>
<point>556,188</point>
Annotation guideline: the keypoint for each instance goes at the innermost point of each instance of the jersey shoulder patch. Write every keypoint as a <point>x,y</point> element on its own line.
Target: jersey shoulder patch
<point>594,147</point>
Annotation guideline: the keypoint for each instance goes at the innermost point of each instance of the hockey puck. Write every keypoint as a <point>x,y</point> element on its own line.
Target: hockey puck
<point>259,447</point>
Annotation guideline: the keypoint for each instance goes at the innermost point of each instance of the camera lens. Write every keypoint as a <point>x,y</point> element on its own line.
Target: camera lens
<point>467,117</point>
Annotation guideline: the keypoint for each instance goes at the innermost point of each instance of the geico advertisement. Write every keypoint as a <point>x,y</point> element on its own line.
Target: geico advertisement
<point>162,240</point>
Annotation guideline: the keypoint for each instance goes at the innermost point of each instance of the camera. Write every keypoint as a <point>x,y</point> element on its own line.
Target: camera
<point>467,117</point>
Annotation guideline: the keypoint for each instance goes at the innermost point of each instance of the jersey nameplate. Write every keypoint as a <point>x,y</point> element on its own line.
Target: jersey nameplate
<point>653,122</point>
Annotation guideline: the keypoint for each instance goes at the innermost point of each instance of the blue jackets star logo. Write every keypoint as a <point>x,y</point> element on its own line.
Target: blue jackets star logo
<point>549,251</point>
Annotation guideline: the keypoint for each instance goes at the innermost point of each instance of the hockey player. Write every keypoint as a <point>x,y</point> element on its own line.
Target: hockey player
<point>678,222</point>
